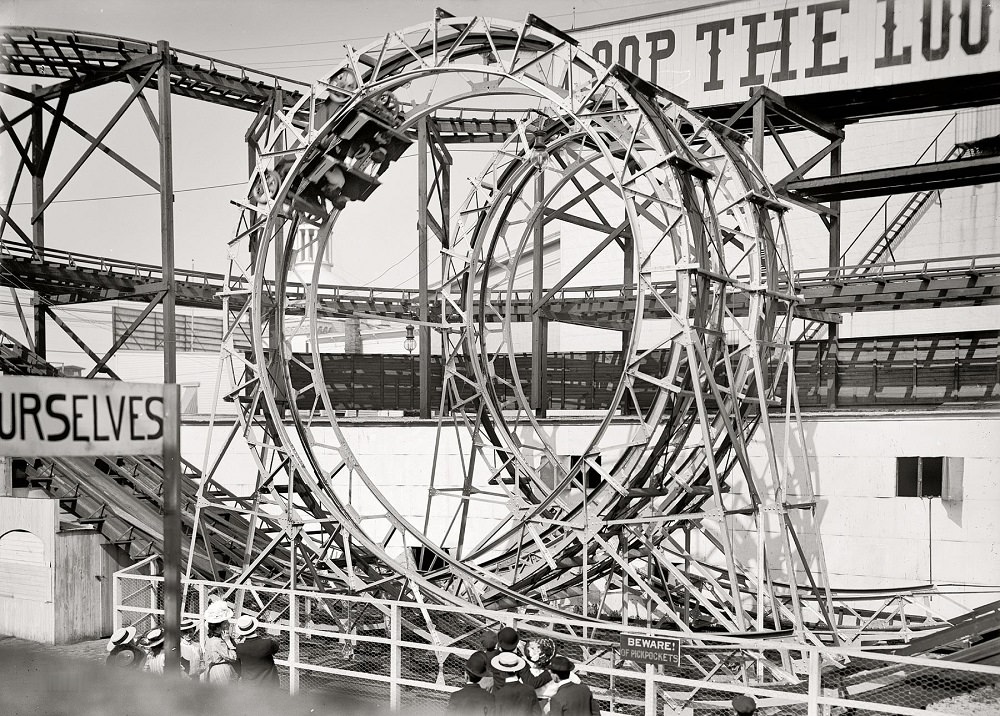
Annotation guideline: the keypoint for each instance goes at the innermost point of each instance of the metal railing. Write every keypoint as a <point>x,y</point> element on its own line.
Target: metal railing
<point>408,657</point>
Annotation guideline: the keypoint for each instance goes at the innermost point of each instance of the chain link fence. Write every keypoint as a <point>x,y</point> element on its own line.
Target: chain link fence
<point>409,657</point>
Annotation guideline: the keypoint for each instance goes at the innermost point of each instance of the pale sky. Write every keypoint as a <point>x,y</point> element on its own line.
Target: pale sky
<point>301,39</point>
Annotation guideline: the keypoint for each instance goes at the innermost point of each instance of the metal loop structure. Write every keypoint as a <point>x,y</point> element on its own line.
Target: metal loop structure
<point>681,509</point>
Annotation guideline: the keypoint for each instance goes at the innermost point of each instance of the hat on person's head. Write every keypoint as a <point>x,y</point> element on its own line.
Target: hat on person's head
<point>507,639</point>
<point>476,664</point>
<point>539,651</point>
<point>154,637</point>
<point>561,664</point>
<point>188,624</point>
<point>489,640</point>
<point>246,625</point>
<point>218,612</point>
<point>121,637</point>
<point>508,661</point>
<point>744,705</point>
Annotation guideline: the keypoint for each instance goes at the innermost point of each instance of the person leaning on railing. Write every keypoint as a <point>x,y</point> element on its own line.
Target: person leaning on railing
<point>256,653</point>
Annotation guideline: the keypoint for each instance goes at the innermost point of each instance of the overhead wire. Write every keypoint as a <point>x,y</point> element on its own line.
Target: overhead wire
<point>130,196</point>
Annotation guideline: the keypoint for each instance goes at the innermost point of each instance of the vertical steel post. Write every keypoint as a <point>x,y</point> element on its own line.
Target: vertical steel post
<point>172,419</point>
<point>650,700</point>
<point>116,601</point>
<point>172,559</point>
<point>423,149</point>
<point>293,623</point>
<point>539,324</point>
<point>834,259</point>
<point>628,277</point>
<point>815,682</point>
<point>395,656</point>
<point>38,224</point>
<point>759,112</point>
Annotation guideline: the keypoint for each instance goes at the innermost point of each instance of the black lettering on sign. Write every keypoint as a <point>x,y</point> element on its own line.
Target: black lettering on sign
<point>77,435</point>
<point>57,415</point>
<point>602,52</point>
<point>116,426</point>
<point>11,415</point>
<point>32,410</point>
<point>133,416</point>
<point>629,42</point>
<point>821,38</point>
<point>939,52</point>
<point>714,29</point>
<point>782,46</point>
<point>657,53</point>
<point>888,59</point>
<point>155,416</point>
<point>974,48</point>
<point>97,433</point>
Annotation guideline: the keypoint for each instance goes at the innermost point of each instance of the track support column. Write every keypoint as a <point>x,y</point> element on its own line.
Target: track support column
<point>423,197</point>
<point>37,200</point>
<point>171,458</point>
<point>539,324</point>
<point>835,262</point>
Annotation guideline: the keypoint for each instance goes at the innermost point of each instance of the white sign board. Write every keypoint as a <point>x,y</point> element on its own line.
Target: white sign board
<point>75,416</point>
<point>714,53</point>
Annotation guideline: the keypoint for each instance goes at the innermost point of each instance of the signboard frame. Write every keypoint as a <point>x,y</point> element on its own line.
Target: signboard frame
<point>87,417</point>
<point>659,650</point>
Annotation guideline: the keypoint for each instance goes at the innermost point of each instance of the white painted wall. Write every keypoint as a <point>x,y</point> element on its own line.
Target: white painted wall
<point>871,538</point>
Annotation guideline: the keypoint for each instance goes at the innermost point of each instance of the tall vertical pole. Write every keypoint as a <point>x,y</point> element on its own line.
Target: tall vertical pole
<point>38,225</point>
<point>171,453</point>
<point>759,110</point>
<point>834,258</point>
<point>539,324</point>
<point>628,277</point>
<point>423,148</point>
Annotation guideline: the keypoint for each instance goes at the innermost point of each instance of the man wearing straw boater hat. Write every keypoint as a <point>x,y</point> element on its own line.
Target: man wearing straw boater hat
<point>122,651</point>
<point>511,696</point>
<point>256,653</point>
<point>472,699</point>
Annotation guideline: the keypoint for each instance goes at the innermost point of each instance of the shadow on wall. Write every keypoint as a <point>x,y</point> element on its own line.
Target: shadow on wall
<point>36,683</point>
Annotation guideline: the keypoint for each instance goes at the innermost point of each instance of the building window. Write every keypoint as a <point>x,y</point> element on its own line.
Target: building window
<point>919,476</point>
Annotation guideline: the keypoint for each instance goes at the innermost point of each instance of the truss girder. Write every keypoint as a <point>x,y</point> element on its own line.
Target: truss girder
<point>705,253</point>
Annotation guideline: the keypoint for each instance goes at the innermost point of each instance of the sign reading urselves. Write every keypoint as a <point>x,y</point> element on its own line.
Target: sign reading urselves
<point>75,416</point>
<point>712,54</point>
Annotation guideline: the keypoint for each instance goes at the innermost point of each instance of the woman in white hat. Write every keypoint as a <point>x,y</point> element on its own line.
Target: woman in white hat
<point>221,662</point>
<point>122,651</point>
<point>153,644</point>
<point>192,657</point>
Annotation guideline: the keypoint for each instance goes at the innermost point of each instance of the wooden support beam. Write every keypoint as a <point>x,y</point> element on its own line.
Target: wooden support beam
<point>94,144</point>
<point>76,339</point>
<point>539,324</point>
<point>423,259</point>
<point>37,169</point>
<point>898,180</point>
<point>127,333</point>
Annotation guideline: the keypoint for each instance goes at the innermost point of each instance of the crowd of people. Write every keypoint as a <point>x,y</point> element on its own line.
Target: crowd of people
<point>235,650</point>
<point>511,678</point>
<point>507,678</point>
